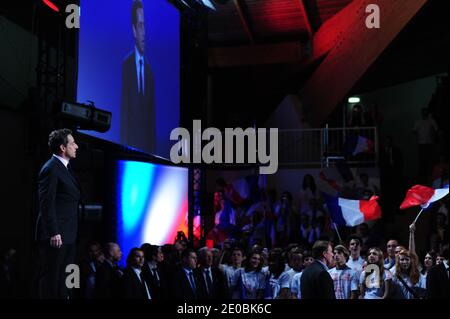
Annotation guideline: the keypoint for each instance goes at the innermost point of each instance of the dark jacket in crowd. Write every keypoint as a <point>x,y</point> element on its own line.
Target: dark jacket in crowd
<point>107,281</point>
<point>438,282</point>
<point>217,290</point>
<point>181,288</point>
<point>159,284</point>
<point>316,283</point>
<point>133,287</point>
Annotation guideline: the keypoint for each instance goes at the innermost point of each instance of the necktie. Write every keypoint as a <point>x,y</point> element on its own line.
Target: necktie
<point>208,281</point>
<point>155,275</point>
<point>144,286</point>
<point>141,88</point>
<point>191,279</point>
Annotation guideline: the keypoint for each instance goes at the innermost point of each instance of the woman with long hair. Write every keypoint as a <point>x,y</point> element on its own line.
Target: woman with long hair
<point>428,262</point>
<point>251,280</point>
<point>375,281</point>
<point>409,282</point>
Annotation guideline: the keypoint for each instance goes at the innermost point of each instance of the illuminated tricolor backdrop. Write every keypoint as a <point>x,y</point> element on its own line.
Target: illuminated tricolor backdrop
<point>152,203</point>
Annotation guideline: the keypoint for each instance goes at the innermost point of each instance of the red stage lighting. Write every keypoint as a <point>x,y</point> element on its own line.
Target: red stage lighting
<point>51,5</point>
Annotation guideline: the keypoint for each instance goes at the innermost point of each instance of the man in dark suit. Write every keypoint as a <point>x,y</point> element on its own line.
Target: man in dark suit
<point>185,282</point>
<point>316,282</point>
<point>134,283</point>
<point>107,277</point>
<point>211,279</point>
<point>57,224</point>
<point>438,282</point>
<point>88,268</point>
<point>137,113</point>
<point>154,271</point>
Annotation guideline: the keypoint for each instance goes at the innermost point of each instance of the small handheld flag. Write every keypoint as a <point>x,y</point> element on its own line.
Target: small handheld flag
<point>422,196</point>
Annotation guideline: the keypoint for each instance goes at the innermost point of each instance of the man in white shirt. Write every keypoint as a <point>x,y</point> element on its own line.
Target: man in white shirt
<point>231,272</point>
<point>296,261</point>
<point>211,278</point>
<point>345,279</point>
<point>135,286</point>
<point>137,112</point>
<point>57,225</point>
<point>355,261</point>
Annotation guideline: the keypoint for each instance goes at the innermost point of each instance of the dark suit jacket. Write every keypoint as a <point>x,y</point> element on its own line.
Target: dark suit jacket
<point>132,287</point>
<point>86,284</point>
<point>160,290</point>
<point>59,197</point>
<point>181,288</point>
<point>438,283</point>
<point>218,284</point>
<point>316,283</point>
<point>107,281</point>
<point>137,113</point>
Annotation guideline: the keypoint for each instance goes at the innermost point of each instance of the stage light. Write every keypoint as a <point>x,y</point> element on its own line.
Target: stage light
<point>354,99</point>
<point>86,117</point>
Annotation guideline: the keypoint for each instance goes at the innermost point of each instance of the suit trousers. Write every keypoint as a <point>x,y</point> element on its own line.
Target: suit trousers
<point>52,270</point>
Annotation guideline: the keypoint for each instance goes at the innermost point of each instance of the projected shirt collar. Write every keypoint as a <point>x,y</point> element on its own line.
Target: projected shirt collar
<point>139,57</point>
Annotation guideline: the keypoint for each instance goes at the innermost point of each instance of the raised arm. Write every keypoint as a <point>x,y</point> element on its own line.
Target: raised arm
<point>412,241</point>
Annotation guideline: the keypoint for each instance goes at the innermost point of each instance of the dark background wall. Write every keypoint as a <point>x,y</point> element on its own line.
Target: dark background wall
<point>401,106</point>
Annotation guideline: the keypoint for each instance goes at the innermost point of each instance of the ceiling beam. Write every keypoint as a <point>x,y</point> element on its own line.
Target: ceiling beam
<point>352,48</point>
<point>244,16</point>
<point>257,54</point>
<point>306,17</point>
<point>331,32</point>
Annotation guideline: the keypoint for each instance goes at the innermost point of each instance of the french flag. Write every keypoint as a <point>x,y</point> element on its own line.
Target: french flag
<point>350,212</point>
<point>327,185</point>
<point>423,196</point>
<point>359,144</point>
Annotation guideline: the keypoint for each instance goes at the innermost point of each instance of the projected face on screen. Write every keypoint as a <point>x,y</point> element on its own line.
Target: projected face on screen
<point>152,203</point>
<point>139,28</point>
<point>129,64</point>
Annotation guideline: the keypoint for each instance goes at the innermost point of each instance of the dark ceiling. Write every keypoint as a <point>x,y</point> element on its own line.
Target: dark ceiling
<point>250,21</point>
<point>419,50</point>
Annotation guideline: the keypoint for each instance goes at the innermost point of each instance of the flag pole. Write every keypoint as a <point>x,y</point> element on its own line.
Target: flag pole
<point>417,217</point>
<point>337,232</point>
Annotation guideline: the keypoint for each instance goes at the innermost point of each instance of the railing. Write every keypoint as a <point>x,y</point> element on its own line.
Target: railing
<point>320,147</point>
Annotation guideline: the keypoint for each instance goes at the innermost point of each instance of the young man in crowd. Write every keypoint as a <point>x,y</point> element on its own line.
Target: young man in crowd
<point>345,279</point>
<point>355,261</point>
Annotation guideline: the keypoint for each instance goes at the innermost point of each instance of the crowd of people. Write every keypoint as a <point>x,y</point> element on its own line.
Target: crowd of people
<point>325,271</point>
<point>265,247</point>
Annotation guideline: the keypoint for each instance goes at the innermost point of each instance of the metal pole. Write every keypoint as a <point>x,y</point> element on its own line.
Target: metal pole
<point>417,217</point>
<point>337,232</point>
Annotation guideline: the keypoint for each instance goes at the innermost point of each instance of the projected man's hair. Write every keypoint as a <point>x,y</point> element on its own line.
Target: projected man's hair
<point>137,4</point>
